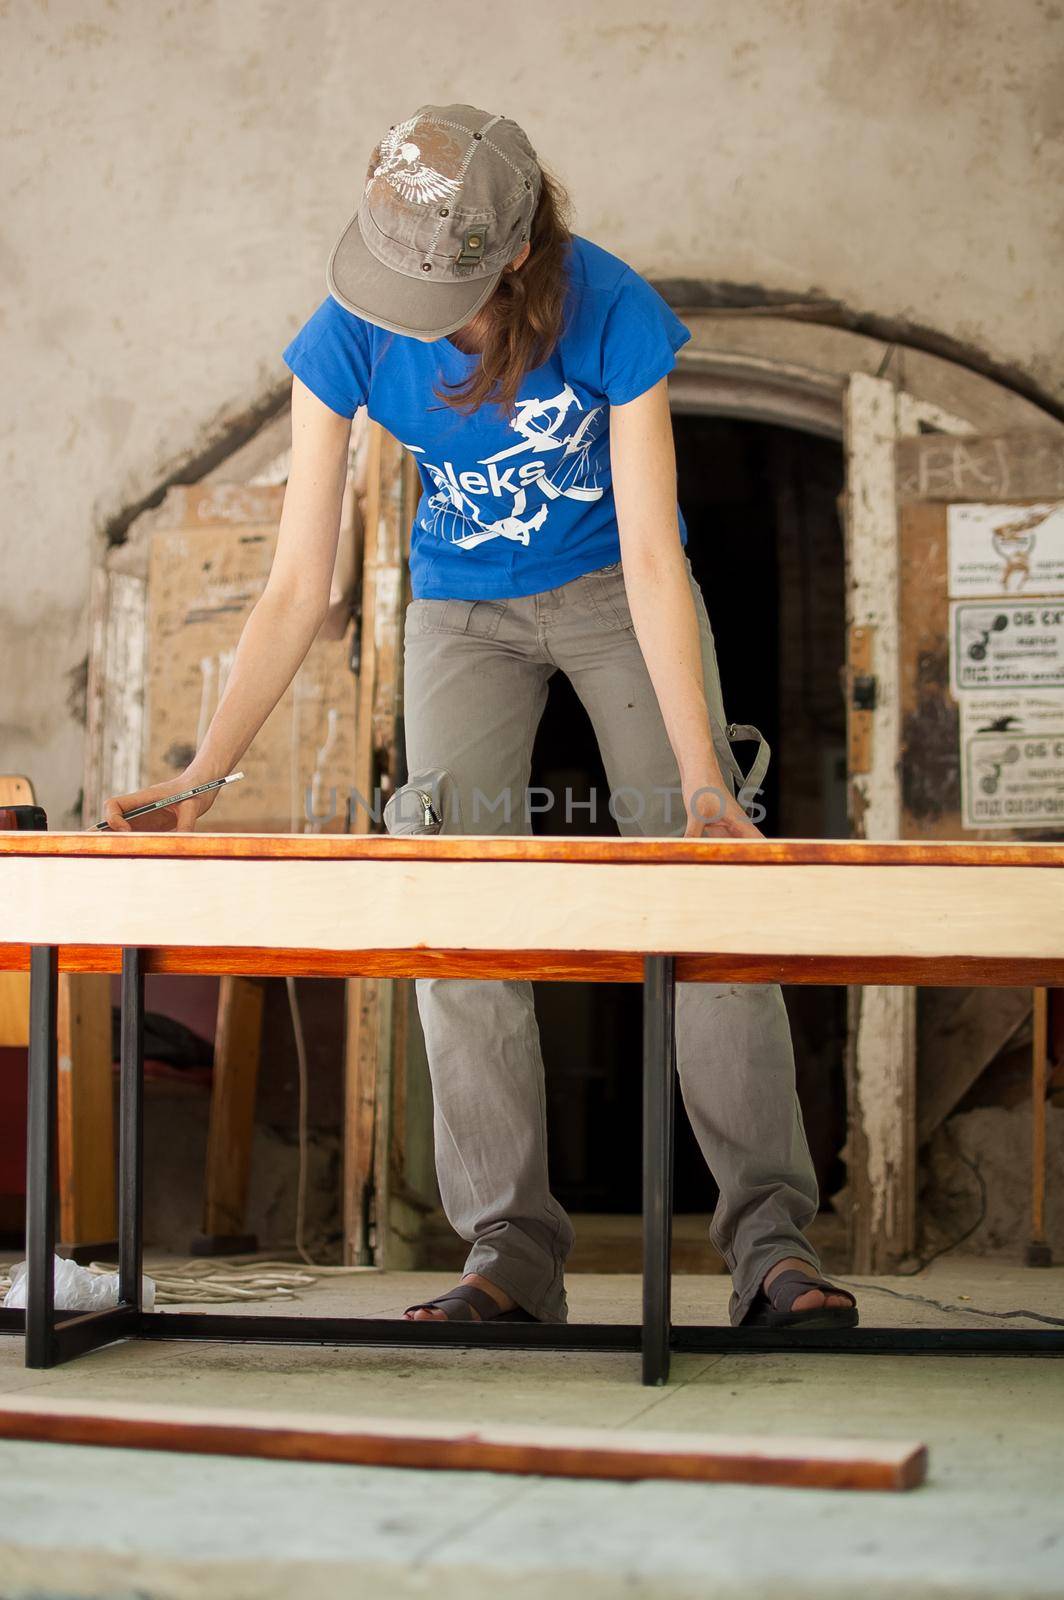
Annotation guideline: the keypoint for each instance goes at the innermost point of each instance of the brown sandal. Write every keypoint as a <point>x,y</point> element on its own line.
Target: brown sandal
<point>771,1308</point>
<point>467,1296</point>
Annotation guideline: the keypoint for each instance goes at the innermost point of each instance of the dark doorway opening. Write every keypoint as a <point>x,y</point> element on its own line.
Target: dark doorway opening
<point>761,505</point>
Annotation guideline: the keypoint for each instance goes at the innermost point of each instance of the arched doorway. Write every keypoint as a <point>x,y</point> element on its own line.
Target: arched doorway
<point>804,415</point>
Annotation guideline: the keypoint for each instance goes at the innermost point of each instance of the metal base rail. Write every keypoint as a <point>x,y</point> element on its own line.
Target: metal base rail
<point>52,1338</point>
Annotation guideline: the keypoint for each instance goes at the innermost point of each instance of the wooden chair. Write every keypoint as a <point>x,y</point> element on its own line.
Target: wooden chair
<point>86,1098</point>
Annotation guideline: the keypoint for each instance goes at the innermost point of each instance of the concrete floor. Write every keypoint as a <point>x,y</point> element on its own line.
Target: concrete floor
<point>990,1522</point>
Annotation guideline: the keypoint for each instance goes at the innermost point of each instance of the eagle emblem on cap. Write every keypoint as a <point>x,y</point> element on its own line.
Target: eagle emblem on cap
<point>401,165</point>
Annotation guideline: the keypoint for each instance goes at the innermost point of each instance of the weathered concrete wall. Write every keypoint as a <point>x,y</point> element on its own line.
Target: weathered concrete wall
<point>174,176</point>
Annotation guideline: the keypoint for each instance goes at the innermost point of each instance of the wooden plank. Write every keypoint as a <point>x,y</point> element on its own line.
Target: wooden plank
<point>86,1111</point>
<point>881,1033</point>
<point>872,591</point>
<point>92,797</point>
<point>491,847</point>
<point>214,503</point>
<point>237,1049</point>
<point>557,966</point>
<point>860,723</point>
<point>360,994</point>
<point>122,685</point>
<point>368,1050</point>
<point>15,790</point>
<point>1039,1082</point>
<point>632,1455</point>
<point>1025,465</point>
<point>1013,912</point>
<point>959,1035</point>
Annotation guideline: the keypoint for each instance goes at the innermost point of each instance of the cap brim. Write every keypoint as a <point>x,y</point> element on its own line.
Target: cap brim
<point>396,302</point>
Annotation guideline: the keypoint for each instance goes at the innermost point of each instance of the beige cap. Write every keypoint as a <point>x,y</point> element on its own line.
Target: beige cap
<point>448,203</point>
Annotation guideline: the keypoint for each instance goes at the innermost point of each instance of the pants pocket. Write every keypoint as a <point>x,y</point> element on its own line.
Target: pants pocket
<point>478,618</point>
<point>425,804</point>
<point>609,598</point>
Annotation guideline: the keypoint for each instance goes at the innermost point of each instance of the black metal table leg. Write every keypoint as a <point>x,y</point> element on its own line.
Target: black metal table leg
<point>131,1132</point>
<point>40,1156</point>
<point>659,1045</point>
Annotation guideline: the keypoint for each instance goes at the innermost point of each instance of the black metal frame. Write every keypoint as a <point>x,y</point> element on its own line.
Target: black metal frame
<point>52,1339</point>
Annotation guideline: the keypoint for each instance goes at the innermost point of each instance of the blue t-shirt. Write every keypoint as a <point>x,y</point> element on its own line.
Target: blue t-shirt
<point>510,506</point>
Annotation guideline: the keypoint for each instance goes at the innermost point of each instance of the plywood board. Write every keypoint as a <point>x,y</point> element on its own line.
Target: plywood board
<point>203,583</point>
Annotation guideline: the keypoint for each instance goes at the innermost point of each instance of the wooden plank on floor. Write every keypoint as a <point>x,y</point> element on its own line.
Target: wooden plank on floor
<point>457,1447</point>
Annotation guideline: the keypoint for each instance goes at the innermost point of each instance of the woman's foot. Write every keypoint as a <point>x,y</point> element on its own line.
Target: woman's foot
<point>500,1296</point>
<point>813,1299</point>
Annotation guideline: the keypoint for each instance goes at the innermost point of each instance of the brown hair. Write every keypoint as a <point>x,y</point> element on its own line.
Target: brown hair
<point>522,322</point>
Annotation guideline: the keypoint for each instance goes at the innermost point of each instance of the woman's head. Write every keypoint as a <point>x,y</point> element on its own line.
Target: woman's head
<point>459,227</point>
<point>520,324</point>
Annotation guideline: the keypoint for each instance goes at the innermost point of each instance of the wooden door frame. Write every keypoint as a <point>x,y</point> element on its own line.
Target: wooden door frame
<point>834,383</point>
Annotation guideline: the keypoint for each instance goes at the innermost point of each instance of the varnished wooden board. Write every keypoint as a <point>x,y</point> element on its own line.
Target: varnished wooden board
<point>555,966</point>
<point>1014,912</point>
<point>492,847</point>
<point>456,1447</point>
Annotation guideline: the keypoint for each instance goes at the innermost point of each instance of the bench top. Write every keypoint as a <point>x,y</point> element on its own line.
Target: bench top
<point>828,911</point>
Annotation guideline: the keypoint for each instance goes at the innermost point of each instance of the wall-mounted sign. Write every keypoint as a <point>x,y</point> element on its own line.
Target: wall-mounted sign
<point>1012,766</point>
<point>1003,644</point>
<point>1005,550</point>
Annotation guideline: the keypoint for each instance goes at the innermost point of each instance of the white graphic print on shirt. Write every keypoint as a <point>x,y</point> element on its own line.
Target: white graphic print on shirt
<point>453,512</point>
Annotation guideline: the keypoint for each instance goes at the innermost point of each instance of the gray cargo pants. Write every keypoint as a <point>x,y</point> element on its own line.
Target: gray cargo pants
<point>476,674</point>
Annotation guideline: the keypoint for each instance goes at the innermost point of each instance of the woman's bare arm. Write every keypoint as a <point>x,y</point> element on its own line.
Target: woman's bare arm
<point>285,619</point>
<point>643,460</point>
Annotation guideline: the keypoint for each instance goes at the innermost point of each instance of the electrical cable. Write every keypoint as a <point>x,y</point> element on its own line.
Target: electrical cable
<point>217,1280</point>
<point>966,1310</point>
<point>953,1244</point>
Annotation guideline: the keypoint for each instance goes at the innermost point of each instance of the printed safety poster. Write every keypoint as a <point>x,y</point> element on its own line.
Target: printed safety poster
<point>1005,550</point>
<point>1012,760</point>
<point>1006,645</point>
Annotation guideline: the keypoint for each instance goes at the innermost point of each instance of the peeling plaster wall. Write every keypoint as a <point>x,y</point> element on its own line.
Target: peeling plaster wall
<point>173,177</point>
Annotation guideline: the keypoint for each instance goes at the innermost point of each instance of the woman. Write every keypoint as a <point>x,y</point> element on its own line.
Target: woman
<point>526,368</point>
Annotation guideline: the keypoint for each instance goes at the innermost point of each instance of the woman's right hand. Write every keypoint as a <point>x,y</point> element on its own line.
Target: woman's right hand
<point>180,818</point>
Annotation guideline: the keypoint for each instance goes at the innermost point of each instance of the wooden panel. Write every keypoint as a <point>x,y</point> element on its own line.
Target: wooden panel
<point>86,1111</point>
<point>458,1447</point>
<point>14,1007</point>
<point>222,504</point>
<point>1027,465</point>
<point>806,910</point>
<point>203,584</point>
<point>16,791</point>
<point>237,1048</point>
<point>931,753</point>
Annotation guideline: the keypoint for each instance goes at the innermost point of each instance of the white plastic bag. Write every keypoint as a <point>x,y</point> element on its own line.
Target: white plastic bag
<point>76,1288</point>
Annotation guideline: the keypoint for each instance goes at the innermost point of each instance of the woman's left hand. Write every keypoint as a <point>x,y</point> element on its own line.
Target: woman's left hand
<point>714,813</point>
